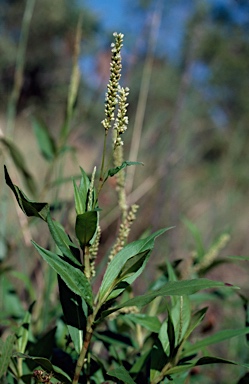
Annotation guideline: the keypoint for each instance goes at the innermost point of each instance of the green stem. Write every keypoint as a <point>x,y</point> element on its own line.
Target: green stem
<point>101,176</point>
<point>82,356</point>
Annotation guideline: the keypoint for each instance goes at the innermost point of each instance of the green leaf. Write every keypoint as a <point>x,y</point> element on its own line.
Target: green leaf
<point>81,193</point>
<point>74,310</point>
<point>197,237</point>
<point>163,337</point>
<point>216,338</point>
<point>58,373</point>
<point>77,336</point>
<point>23,331</point>
<point>171,335</point>
<point>73,277</point>
<point>158,360</point>
<point>74,314</point>
<point>45,141</point>
<point>181,316</point>
<point>122,374</point>
<point>130,271</point>
<point>113,171</point>
<point>86,226</point>
<point>114,270</point>
<point>30,208</point>
<point>20,163</point>
<point>61,239</point>
<point>196,319</point>
<point>179,288</point>
<point>204,361</point>
<point>149,322</point>
<point>6,354</point>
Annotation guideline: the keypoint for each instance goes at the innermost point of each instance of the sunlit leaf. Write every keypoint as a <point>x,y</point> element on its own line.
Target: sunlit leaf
<point>61,239</point>
<point>184,287</point>
<point>73,277</point>
<point>119,261</point>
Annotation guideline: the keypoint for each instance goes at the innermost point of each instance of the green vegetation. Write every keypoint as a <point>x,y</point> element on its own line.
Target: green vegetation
<point>76,307</point>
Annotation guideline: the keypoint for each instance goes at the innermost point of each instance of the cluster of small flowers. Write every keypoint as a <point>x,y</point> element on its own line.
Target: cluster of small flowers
<point>213,252</point>
<point>112,87</point>
<point>94,251</point>
<point>121,122</point>
<point>125,310</point>
<point>124,231</point>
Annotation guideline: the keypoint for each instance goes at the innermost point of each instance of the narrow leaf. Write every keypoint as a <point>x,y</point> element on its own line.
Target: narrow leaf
<point>61,239</point>
<point>149,322</point>
<point>204,361</point>
<point>114,269</point>
<point>23,332</point>
<point>73,277</point>
<point>216,338</point>
<point>113,171</point>
<point>179,288</point>
<point>20,163</point>
<point>6,354</point>
<point>122,374</point>
<point>72,306</point>
<point>30,208</point>
<point>196,319</point>
<point>45,141</point>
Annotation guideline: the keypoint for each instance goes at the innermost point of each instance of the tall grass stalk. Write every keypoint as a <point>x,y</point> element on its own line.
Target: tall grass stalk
<point>143,94</point>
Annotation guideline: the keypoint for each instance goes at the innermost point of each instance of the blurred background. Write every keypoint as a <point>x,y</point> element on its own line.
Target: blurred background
<point>186,63</point>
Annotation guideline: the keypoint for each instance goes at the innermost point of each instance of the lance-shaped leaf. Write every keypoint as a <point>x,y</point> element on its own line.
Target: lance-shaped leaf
<point>6,353</point>
<point>216,338</point>
<point>45,141</point>
<point>20,163</point>
<point>113,171</point>
<point>151,323</point>
<point>196,319</point>
<point>73,277</point>
<point>61,239</point>
<point>203,361</point>
<point>23,331</point>
<point>122,374</point>
<point>75,312</point>
<point>158,360</point>
<point>81,193</point>
<point>48,367</point>
<point>86,226</point>
<point>179,288</point>
<point>122,264</point>
<point>30,208</point>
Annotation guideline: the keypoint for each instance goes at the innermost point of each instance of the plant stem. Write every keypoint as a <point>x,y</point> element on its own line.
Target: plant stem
<point>101,176</point>
<point>81,359</point>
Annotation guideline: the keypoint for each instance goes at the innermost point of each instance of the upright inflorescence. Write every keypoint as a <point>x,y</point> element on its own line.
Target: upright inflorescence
<point>121,122</point>
<point>113,85</point>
